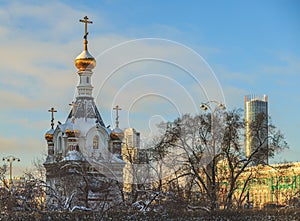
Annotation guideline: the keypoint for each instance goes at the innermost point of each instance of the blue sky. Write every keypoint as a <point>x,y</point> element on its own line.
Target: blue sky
<point>251,47</point>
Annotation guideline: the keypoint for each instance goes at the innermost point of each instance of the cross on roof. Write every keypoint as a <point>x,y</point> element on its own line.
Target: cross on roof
<point>86,21</point>
<point>73,104</point>
<point>117,108</point>
<point>52,110</point>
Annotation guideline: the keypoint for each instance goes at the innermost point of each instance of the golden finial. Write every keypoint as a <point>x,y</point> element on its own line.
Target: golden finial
<point>86,21</point>
<point>52,110</point>
<point>117,108</point>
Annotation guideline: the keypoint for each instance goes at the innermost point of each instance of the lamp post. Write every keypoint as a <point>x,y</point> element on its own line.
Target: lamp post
<point>205,107</point>
<point>10,159</point>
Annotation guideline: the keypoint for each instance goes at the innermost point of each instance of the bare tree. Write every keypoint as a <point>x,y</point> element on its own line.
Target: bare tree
<point>80,186</point>
<point>210,171</point>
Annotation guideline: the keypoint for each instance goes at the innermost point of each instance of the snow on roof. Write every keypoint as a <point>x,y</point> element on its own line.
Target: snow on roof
<point>51,131</point>
<point>49,159</point>
<point>84,55</point>
<point>117,130</point>
<point>82,124</point>
<point>108,130</point>
<point>73,155</point>
<point>86,108</point>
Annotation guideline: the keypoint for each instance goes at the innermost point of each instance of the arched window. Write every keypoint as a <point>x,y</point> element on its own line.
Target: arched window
<point>96,142</point>
<point>59,148</point>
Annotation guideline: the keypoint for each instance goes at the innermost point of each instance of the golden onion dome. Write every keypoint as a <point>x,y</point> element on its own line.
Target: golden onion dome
<point>49,135</point>
<point>117,134</point>
<point>85,61</point>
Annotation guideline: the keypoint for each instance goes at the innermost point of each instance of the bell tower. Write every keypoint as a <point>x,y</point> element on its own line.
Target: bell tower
<point>85,63</point>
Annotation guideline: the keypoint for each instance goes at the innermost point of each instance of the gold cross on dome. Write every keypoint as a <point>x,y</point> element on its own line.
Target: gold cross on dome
<point>117,108</point>
<point>52,110</point>
<point>86,21</point>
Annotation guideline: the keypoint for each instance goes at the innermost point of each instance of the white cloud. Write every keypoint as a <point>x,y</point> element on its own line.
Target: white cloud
<point>151,77</point>
<point>25,149</point>
<point>234,96</point>
<point>13,144</point>
<point>13,100</point>
<point>123,63</point>
<point>288,65</point>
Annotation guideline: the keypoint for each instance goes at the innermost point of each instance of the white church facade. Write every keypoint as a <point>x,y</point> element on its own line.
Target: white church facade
<point>84,162</point>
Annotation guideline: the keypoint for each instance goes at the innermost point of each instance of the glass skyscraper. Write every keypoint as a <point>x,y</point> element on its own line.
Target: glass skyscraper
<point>256,119</point>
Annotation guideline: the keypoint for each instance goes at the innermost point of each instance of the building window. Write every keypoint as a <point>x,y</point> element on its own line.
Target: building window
<point>87,80</point>
<point>95,142</point>
<point>59,148</point>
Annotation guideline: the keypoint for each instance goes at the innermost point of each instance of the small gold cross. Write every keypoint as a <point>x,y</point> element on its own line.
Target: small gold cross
<point>86,21</point>
<point>73,104</point>
<point>52,110</point>
<point>117,115</point>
